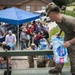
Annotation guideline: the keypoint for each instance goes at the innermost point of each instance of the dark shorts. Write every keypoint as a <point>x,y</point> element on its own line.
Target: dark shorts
<point>2,39</point>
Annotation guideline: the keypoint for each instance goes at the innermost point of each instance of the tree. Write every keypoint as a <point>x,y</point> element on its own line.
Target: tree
<point>69,1</point>
<point>60,3</point>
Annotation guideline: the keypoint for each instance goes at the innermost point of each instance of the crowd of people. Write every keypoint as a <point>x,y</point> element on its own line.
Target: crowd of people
<point>29,33</point>
<point>29,37</point>
<point>33,33</point>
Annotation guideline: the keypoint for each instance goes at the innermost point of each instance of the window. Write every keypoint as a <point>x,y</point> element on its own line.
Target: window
<point>43,7</point>
<point>27,8</point>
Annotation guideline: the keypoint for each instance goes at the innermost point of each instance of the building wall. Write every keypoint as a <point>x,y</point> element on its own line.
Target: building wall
<point>34,5</point>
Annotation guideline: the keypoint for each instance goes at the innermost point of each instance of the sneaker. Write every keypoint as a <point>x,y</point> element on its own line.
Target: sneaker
<point>52,71</point>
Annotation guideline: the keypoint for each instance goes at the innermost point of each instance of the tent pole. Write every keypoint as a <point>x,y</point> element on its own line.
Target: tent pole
<point>18,37</point>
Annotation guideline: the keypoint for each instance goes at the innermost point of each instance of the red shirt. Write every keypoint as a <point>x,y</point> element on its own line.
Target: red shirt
<point>38,37</point>
<point>28,31</point>
<point>31,30</point>
<point>34,26</point>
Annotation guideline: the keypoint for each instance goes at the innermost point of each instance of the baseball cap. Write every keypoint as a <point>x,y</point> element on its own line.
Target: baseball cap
<point>10,32</point>
<point>32,44</point>
<point>50,7</point>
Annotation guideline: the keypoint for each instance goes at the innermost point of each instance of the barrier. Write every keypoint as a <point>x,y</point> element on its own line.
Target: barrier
<point>30,71</point>
<point>23,53</point>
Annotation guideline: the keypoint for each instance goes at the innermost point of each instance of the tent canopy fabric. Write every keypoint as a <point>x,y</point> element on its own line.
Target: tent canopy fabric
<point>17,16</point>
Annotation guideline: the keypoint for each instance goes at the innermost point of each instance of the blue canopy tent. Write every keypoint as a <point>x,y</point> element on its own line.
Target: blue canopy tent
<point>17,16</point>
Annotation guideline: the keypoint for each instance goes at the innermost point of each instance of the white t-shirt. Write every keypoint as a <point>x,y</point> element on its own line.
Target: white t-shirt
<point>11,38</point>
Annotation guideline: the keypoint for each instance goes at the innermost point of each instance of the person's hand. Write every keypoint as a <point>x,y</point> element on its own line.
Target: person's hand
<point>66,44</point>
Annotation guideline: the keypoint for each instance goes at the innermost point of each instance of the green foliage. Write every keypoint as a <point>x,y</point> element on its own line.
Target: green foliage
<point>67,64</point>
<point>63,2</point>
<point>69,1</point>
<point>54,31</point>
<point>70,13</point>
<point>59,2</point>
